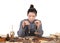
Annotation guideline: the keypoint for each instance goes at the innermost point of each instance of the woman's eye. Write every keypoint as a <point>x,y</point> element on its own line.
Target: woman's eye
<point>33,16</point>
<point>29,16</point>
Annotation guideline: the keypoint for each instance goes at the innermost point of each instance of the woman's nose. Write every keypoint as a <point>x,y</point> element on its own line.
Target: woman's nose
<point>31,17</point>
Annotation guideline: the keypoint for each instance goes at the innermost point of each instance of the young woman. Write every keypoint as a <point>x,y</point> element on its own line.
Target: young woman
<point>30,26</point>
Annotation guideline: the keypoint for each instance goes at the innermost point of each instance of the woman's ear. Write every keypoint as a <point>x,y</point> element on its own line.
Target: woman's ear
<point>36,14</point>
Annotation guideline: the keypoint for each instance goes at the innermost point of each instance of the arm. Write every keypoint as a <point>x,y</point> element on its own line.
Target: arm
<point>40,31</point>
<point>39,28</point>
<point>21,30</point>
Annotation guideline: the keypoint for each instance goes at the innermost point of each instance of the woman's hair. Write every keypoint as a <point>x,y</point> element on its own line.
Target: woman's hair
<point>32,9</point>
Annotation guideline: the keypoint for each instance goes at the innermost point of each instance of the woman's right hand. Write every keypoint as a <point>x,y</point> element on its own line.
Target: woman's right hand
<point>25,23</point>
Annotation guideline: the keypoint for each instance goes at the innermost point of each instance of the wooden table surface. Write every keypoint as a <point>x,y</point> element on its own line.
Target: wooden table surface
<point>3,39</point>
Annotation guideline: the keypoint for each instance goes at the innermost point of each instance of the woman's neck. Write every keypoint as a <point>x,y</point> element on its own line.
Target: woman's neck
<point>30,21</point>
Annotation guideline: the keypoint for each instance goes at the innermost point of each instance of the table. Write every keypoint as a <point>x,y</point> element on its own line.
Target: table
<point>29,39</point>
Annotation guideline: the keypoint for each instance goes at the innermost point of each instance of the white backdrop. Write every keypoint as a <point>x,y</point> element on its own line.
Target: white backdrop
<point>13,11</point>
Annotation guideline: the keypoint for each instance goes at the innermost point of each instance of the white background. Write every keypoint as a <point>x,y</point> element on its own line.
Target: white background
<point>13,11</point>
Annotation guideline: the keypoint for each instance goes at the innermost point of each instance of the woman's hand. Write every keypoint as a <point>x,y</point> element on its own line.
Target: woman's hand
<point>25,23</point>
<point>36,33</point>
<point>37,23</point>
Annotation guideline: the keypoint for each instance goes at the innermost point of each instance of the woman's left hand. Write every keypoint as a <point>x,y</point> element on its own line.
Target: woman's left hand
<point>38,23</point>
<point>36,33</point>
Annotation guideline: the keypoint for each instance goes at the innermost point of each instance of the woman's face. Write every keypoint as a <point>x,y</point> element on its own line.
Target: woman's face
<point>31,16</point>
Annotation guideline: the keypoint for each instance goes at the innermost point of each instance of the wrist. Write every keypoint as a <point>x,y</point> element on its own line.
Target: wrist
<point>38,27</point>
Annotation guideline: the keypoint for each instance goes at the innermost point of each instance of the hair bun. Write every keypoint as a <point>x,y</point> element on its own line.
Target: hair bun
<point>31,6</point>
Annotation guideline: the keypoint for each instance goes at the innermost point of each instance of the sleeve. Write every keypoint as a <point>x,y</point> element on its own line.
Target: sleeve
<point>40,31</point>
<point>21,30</point>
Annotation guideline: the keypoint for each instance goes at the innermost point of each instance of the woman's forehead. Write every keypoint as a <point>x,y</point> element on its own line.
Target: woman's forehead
<point>31,13</point>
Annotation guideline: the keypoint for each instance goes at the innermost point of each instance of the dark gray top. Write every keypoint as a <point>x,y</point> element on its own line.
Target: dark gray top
<point>21,31</point>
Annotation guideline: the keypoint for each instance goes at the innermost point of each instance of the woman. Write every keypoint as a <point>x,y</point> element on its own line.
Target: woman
<point>30,26</point>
